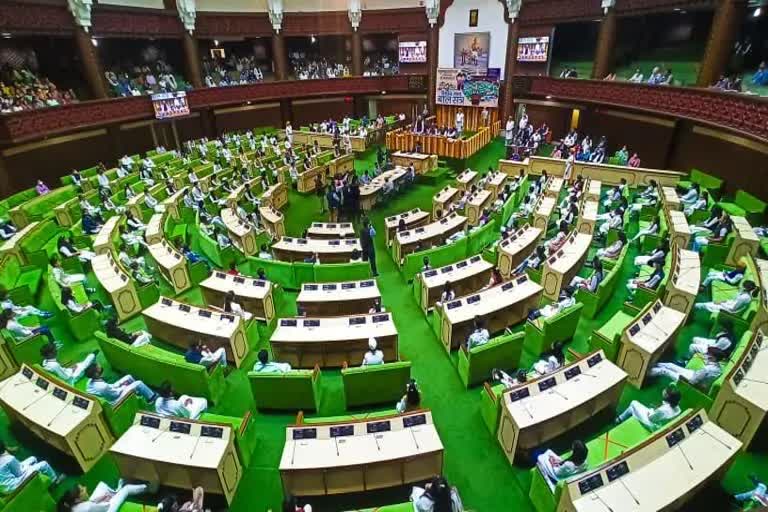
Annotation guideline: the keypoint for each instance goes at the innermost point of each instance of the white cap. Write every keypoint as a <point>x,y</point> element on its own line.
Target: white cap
<point>372,344</point>
<point>307,508</point>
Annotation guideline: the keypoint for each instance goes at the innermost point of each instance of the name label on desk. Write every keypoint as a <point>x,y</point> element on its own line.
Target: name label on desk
<point>343,431</point>
<point>180,428</point>
<point>60,394</point>
<point>380,318</point>
<point>304,433</point>
<point>215,432</point>
<point>358,320</point>
<point>288,323</point>
<point>26,372</point>
<point>414,421</point>
<point>430,273</point>
<point>149,421</point>
<point>572,372</point>
<point>42,383</point>
<point>80,402</point>
<point>595,359</point>
<point>617,471</point>
<point>378,426</point>
<point>547,384</point>
<point>367,284</point>
<point>675,437</point>
<point>519,394</point>
<point>591,483</point>
<point>346,286</point>
<point>694,423</point>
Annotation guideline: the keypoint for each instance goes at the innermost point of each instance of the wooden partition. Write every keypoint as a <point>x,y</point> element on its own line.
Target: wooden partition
<point>404,140</point>
<point>446,116</point>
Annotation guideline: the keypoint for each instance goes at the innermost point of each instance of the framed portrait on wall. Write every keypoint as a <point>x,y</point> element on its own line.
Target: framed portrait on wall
<point>473,17</point>
<point>471,52</point>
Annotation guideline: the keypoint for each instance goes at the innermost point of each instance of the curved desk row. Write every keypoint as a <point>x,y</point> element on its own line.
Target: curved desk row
<point>345,298</point>
<point>516,248</point>
<point>254,295</point>
<point>466,276</point>
<point>424,237</point>
<point>328,251</point>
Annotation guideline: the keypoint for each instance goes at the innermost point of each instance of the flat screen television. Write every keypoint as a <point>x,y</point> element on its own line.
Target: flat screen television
<point>412,51</point>
<point>533,49</point>
<point>170,104</point>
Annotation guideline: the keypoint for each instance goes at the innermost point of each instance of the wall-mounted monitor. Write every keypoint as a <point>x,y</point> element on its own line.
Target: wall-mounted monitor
<point>533,49</point>
<point>411,52</point>
<point>170,104</point>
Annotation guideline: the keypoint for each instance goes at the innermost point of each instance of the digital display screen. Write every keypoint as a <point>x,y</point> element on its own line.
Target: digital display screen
<point>358,320</point>
<point>350,242</point>
<point>617,471</point>
<point>572,372</point>
<point>453,305</point>
<point>327,287</point>
<point>634,330</point>
<point>27,372</point>
<point>591,483</point>
<point>221,275</point>
<point>149,421</point>
<point>507,286</point>
<point>378,426</point>
<point>181,428</point>
<point>380,318</point>
<point>473,299</point>
<point>80,402</point>
<point>239,280</point>
<point>675,437</point>
<point>288,323</point>
<point>694,423</point>
<point>419,230</point>
<point>547,384</point>
<point>231,318</point>
<point>216,432</point>
<point>410,52</point>
<point>42,383</point>
<point>447,269</point>
<point>260,284</point>
<point>592,361</point>
<point>312,323</point>
<point>60,393</point>
<point>304,433</point>
<point>415,421</point>
<point>184,308</point>
<point>366,284</point>
<point>204,313</point>
<point>514,396</point>
<point>522,279</point>
<point>310,287</point>
<point>301,241</point>
<point>166,302</point>
<point>348,286</point>
<point>343,431</point>
<point>430,273</point>
<point>334,242</point>
<point>646,318</point>
<point>656,307</point>
<point>461,264</point>
<point>170,104</point>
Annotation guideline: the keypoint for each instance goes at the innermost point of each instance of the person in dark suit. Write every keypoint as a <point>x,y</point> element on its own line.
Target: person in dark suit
<point>367,234</point>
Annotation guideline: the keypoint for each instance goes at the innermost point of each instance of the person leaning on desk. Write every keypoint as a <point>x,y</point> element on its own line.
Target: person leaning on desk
<point>556,468</point>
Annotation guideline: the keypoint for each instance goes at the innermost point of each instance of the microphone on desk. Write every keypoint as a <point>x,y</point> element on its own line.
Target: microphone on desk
<point>621,481</point>
<point>158,435</point>
<point>602,501</point>
<point>416,442</point>
<point>195,448</point>
<point>522,402</point>
<point>336,441</point>
<point>589,375</point>
<point>685,456</point>
<point>56,415</point>
<point>702,429</point>
<point>555,391</point>
<point>755,380</point>
<point>34,402</point>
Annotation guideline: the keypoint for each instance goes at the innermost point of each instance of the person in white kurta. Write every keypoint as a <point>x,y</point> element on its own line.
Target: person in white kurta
<point>460,121</point>
<point>373,356</point>
<point>654,418</point>
<point>733,306</point>
<point>556,468</point>
<point>13,472</point>
<point>185,407</point>
<point>102,499</point>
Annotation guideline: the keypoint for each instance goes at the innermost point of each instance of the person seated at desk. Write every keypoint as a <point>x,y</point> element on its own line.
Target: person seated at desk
<point>755,498</point>
<point>233,271</point>
<point>230,306</point>
<point>556,242</point>
<point>7,230</point>
<point>222,239</point>
<point>732,277</point>
<point>66,248</point>
<point>700,378</point>
<point>115,392</point>
<point>735,305</point>
<point>102,499</point>
<point>13,472</point>
<point>425,264</point>
<point>650,282</point>
<point>140,275</point>
<point>495,279</point>
<point>659,254</point>
<point>479,335</point>
<point>700,204</point>
<point>312,258</point>
<point>135,339</point>
<point>171,504</point>
<point>365,178</point>
<point>376,307</point>
<point>564,301</point>
<point>198,353</point>
<point>719,233</point>
<point>652,229</point>
<point>436,496</point>
<point>614,220</point>
<point>509,382</point>
<point>691,195</point>
<point>373,356</point>
<point>261,274</point>
<point>615,194</point>
<point>356,256</point>
<point>722,340</point>
<point>556,468</point>
<point>21,311</point>
<point>533,261</point>
<point>264,365</point>
<point>70,374</point>
<point>593,281</point>
<point>191,255</point>
<point>264,253</point>
<point>612,251</point>
<point>91,224</point>
<point>648,197</point>
<point>87,207</point>
<point>9,322</point>
<point>152,203</point>
<point>185,407</point>
<point>654,418</point>
<point>73,306</point>
<point>411,400</point>
<point>551,360</point>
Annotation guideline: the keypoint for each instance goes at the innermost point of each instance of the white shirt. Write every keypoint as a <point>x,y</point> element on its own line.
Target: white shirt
<point>53,366</point>
<point>373,358</point>
<point>659,416</point>
<point>103,389</point>
<point>479,337</point>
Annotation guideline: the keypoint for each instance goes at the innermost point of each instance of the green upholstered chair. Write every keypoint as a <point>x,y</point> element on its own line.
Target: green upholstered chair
<point>707,182</point>
<point>544,332</point>
<point>35,245</point>
<point>20,281</point>
<point>10,206</point>
<point>336,272</point>
<point>649,242</point>
<point>41,207</point>
<point>362,416</point>
<point>643,295</point>
<point>475,364</point>
<point>698,398</point>
<point>594,302</point>
<point>303,272</point>
<point>82,325</point>
<point>400,507</point>
<point>480,238</point>
<point>375,384</point>
<point>25,350</point>
<point>293,390</point>
<point>154,365</point>
<point>246,436</point>
<point>280,272</point>
<point>608,336</point>
<point>31,496</point>
<point>746,205</point>
<point>490,406</point>
<point>136,507</point>
<point>438,257</point>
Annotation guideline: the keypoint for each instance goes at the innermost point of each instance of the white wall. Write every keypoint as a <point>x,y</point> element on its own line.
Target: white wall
<point>153,4</point>
<point>232,5</point>
<point>490,19</point>
<point>314,5</point>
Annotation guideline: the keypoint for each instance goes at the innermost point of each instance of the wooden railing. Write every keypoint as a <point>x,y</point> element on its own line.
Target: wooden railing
<point>403,140</point>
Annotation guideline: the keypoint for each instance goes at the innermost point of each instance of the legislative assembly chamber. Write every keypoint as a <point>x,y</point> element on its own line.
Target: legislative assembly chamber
<point>383,255</point>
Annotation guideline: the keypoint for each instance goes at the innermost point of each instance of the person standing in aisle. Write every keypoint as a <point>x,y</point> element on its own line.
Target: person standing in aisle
<point>367,234</point>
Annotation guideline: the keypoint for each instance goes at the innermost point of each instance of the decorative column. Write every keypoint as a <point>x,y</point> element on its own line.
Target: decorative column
<point>355,14</point>
<point>286,111</point>
<point>606,41</point>
<point>722,35</point>
<point>81,13</point>
<point>279,56</point>
<point>433,41</point>
<point>188,14</point>
<point>510,64</point>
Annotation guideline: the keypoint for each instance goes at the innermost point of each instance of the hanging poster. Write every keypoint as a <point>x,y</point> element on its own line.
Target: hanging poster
<point>471,51</point>
<point>456,87</point>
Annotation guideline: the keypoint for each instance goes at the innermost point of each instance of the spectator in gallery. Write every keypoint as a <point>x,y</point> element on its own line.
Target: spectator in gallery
<point>637,76</point>
<point>761,75</point>
<point>41,188</point>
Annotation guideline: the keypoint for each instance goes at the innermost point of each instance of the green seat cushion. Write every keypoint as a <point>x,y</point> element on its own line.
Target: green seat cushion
<point>615,325</point>
<point>363,416</point>
<point>293,390</point>
<point>476,364</point>
<point>375,384</point>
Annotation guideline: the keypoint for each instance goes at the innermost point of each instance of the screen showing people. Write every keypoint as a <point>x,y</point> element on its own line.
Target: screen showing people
<point>170,104</point>
<point>413,51</point>
<point>533,49</point>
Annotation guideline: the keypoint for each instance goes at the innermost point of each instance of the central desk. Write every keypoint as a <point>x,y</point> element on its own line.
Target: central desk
<point>172,264</point>
<point>422,163</point>
<point>542,409</point>
<point>560,268</point>
<point>330,230</point>
<point>499,307</point>
<point>512,251</point>
<point>443,199</point>
<point>339,458</point>
<point>645,339</point>
<point>254,295</point>
<point>424,237</point>
<point>330,299</point>
<point>328,251</point>
<point>330,342</point>
<point>683,285</point>
<point>242,233</point>
<point>67,419</point>
<point>180,324</point>
<point>543,211</point>
<point>467,276</point>
<point>411,219</point>
<point>120,287</point>
<point>180,453</point>
<point>466,179</point>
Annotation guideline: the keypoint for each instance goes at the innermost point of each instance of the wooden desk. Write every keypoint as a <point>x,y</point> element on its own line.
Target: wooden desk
<point>172,265</point>
<point>443,199</point>
<point>242,233</point>
<point>154,233</point>
<point>745,241</point>
<point>369,194</point>
<point>273,220</point>
<point>134,205</point>
<point>339,458</point>
<point>560,268</point>
<point>180,453</point>
<point>105,238</point>
<point>13,244</point>
<point>495,183</point>
<point>234,197</point>
<point>593,190</point>
<point>545,205</point>
<point>679,232</point>
<point>328,251</point>
<point>476,205</point>
<point>646,338</point>
<point>254,295</point>
<point>429,235</point>
<point>514,250</point>
<point>276,195</point>
<point>422,163</point>
<point>741,406</point>
<point>58,414</point>
<point>412,219</point>
<point>662,473</point>
<point>335,299</point>
<point>466,179</point>
<point>466,277</point>
<point>499,307</point>
<point>180,324</point>
<point>118,284</point>
<point>342,164</point>
<point>331,230</point>
<point>542,409</point>
<point>332,341</point>
<point>172,203</point>
<point>587,217</point>
<point>683,285</point>
<point>554,186</point>
<point>669,198</point>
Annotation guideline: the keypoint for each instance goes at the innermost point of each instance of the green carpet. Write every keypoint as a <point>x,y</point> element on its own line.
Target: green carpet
<point>474,461</point>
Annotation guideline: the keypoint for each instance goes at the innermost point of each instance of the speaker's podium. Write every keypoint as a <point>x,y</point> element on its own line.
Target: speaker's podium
<point>63,417</point>
<point>180,453</point>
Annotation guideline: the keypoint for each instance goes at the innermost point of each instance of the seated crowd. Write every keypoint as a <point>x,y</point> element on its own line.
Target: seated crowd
<point>314,67</point>
<point>232,71</point>
<point>22,89</point>
<point>137,80</point>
